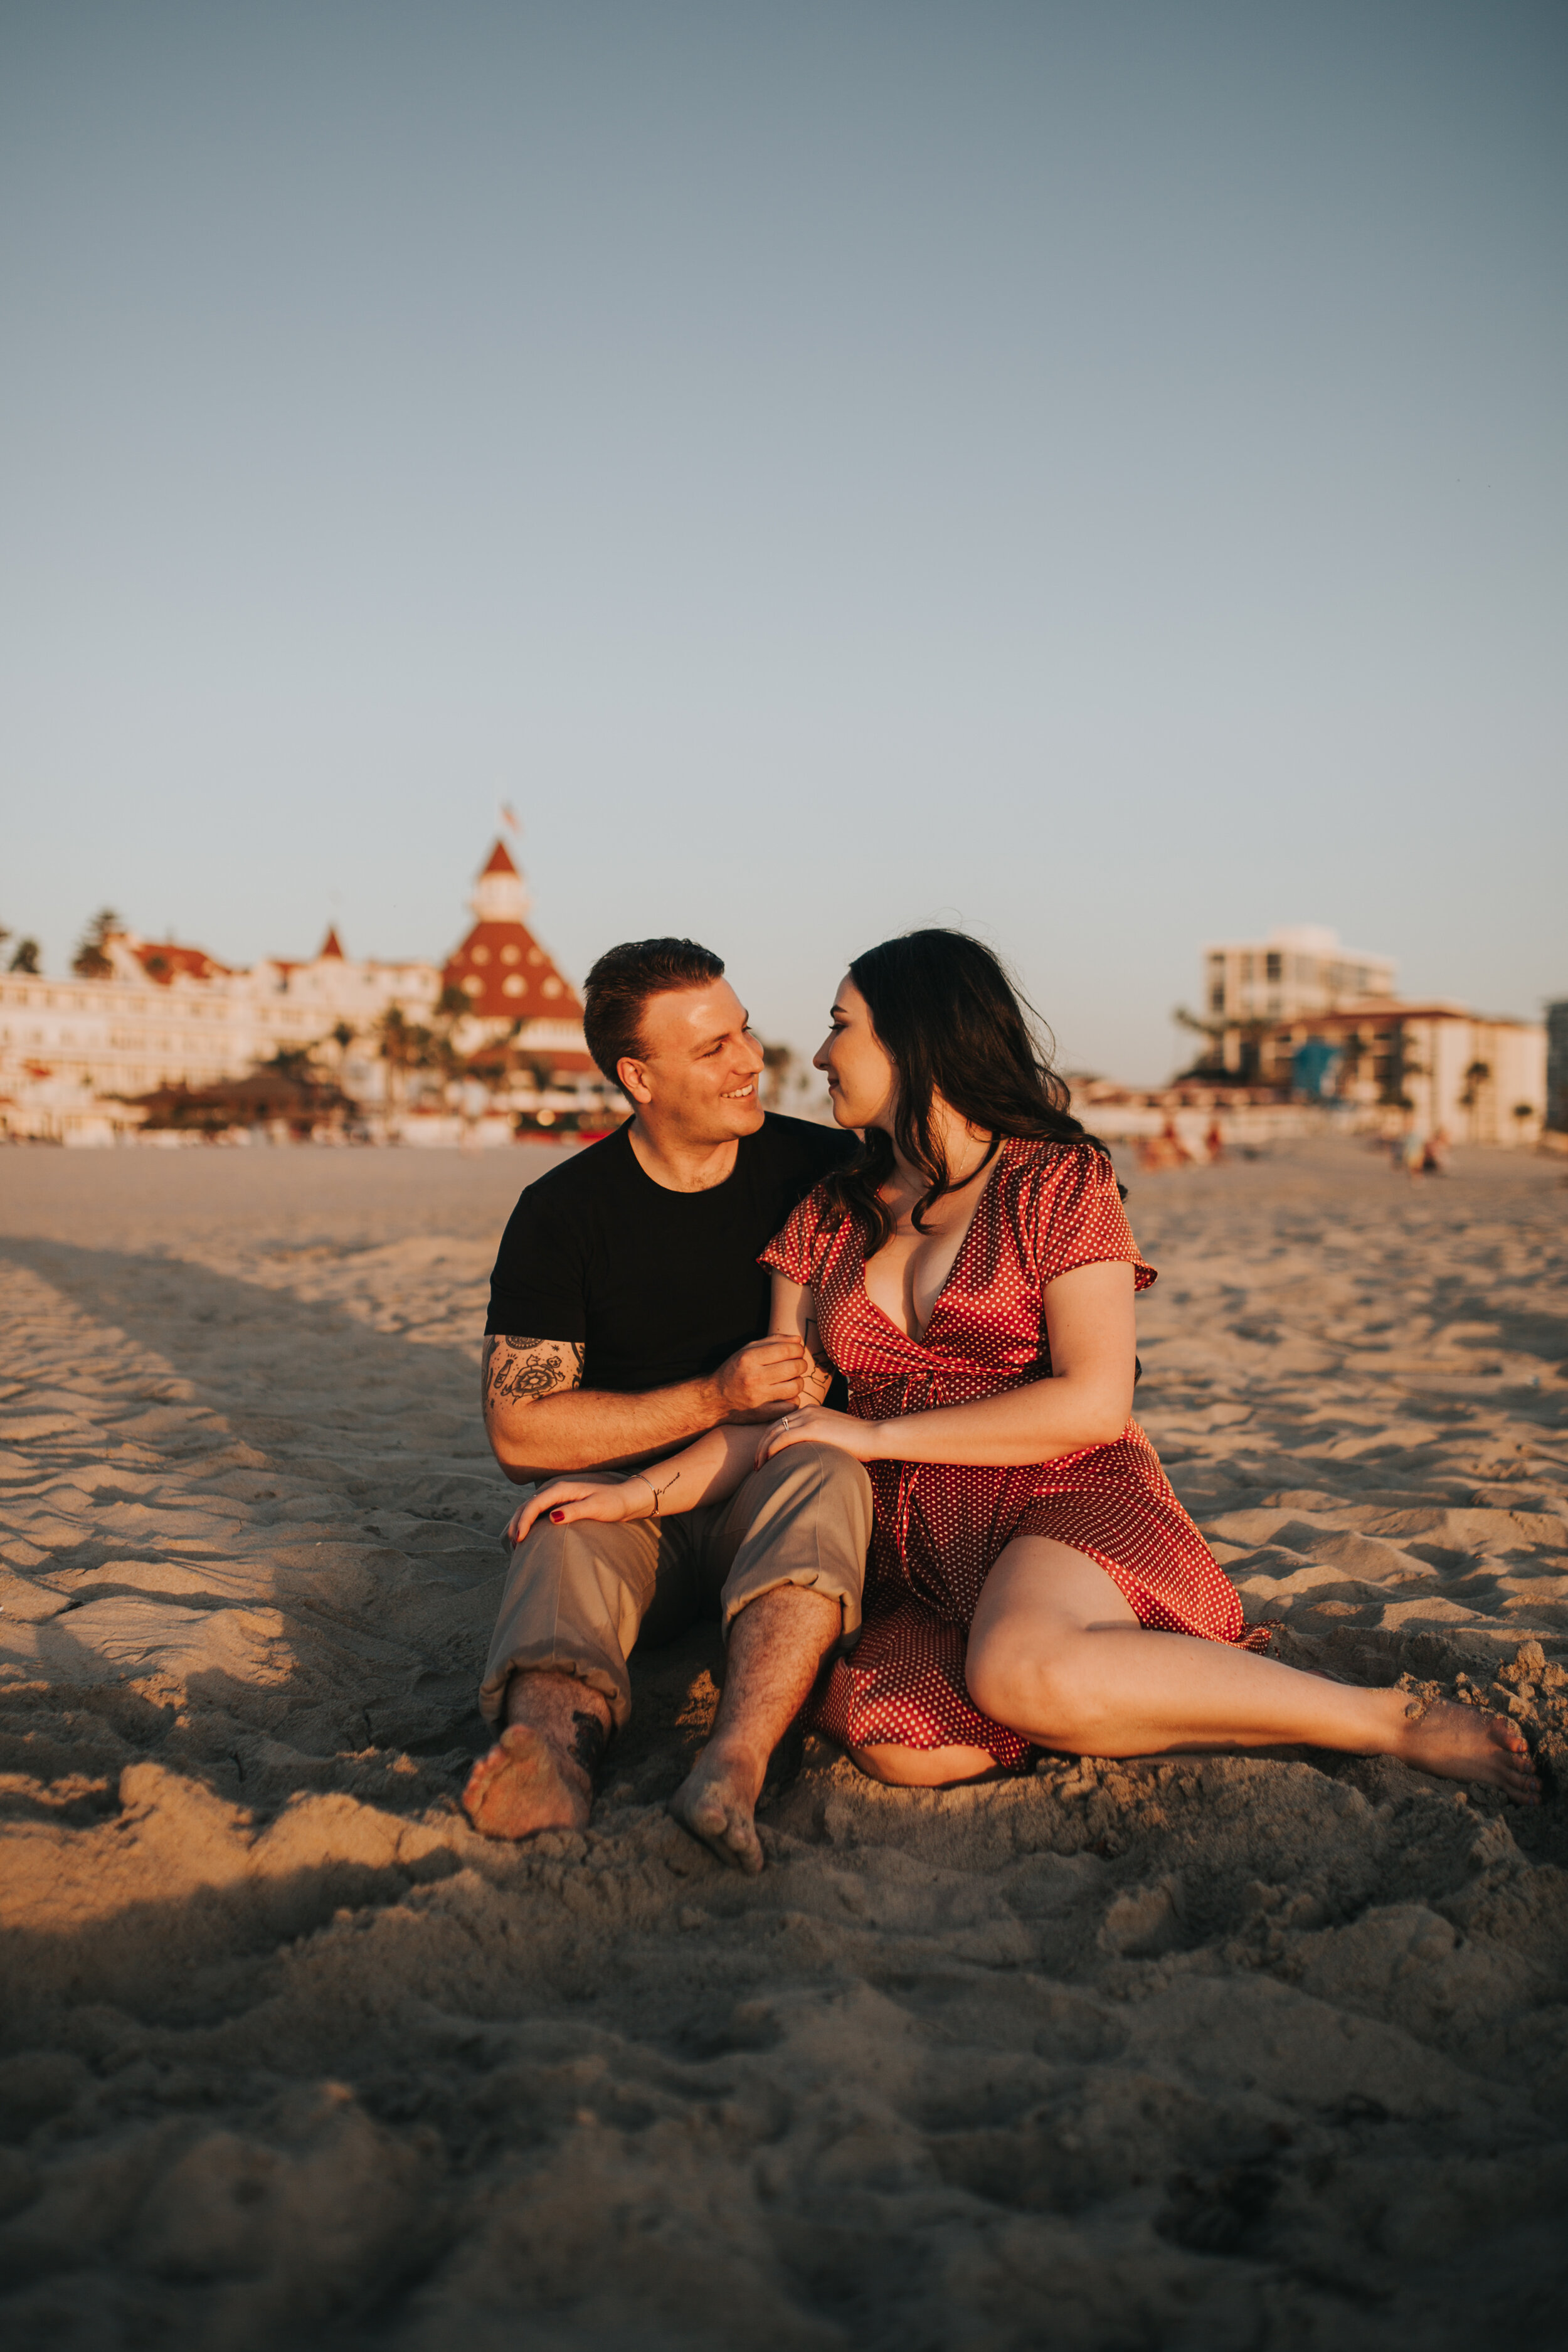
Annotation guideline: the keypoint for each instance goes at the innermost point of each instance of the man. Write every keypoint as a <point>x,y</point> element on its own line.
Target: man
<point>627,1309</point>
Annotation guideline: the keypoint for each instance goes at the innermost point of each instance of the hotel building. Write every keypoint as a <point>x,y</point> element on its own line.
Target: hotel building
<point>1298,1013</point>
<point>75,1053</point>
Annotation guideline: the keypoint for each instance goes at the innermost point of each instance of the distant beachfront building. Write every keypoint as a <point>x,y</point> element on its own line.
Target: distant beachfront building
<point>1298,1012</point>
<point>1557,1066</point>
<point>1250,985</point>
<point>75,1053</point>
<point>1479,1077</point>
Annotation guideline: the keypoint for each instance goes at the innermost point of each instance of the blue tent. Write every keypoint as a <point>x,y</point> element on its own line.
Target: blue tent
<point>1311,1065</point>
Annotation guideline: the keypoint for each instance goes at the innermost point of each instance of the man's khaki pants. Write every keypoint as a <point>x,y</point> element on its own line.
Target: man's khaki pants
<point>578,1596</point>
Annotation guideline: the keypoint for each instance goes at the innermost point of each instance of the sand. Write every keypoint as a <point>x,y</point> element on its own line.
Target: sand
<point>1214,2053</point>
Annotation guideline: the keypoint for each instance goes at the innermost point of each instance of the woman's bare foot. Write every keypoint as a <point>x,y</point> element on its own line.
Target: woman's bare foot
<point>716,1801</point>
<point>1467,1743</point>
<point>540,1773</point>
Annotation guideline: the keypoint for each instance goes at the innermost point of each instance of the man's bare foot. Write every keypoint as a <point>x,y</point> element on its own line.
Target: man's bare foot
<point>716,1802</point>
<point>1469,1743</point>
<point>540,1773</point>
<point>776,1644</point>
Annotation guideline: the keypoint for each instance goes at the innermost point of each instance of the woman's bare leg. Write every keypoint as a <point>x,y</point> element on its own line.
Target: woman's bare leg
<point>1057,1654</point>
<point>922,1767</point>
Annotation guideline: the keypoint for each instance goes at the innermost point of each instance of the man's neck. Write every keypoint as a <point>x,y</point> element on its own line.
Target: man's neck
<point>679,1164</point>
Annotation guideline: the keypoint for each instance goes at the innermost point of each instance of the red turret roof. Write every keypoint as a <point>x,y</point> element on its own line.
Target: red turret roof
<point>505,975</point>
<point>331,945</point>
<point>161,961</point>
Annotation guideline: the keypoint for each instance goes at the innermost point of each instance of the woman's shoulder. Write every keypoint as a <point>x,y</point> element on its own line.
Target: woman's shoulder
<point>807,1236</point>
<point>821,1207</point>
<point>1065,1209</point>
<point>1047,1166</point>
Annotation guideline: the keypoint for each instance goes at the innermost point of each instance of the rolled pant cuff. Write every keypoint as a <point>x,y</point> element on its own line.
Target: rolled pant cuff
<point>753,1587</point>
<point>591,1670</point>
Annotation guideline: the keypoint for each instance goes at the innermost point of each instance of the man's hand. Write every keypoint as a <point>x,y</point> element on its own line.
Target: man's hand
<point>762,1379</point>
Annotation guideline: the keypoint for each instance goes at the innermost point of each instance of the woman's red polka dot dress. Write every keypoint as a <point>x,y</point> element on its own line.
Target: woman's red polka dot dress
<point>941,1526</point>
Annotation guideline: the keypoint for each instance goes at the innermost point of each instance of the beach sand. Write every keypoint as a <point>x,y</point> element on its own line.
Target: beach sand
<point>1214,2053</point>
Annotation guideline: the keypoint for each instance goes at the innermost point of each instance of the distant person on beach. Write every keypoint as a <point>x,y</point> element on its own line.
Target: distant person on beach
<point>1165,1150</point>
<point>1034,1580</point>
<point>629,1313</point>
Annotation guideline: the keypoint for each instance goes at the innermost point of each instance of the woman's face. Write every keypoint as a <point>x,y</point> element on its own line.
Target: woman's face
<point>862,1083</point>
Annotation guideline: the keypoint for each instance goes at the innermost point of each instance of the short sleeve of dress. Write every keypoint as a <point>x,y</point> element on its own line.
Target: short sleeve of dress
<point>798,1252</point>
<point>1071,1214</point>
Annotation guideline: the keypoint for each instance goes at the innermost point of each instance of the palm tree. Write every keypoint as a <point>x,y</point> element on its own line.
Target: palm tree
<point>1478,1077</point>
<point>404,1046</point>
<point>89,962</point>
<point>1353,1054</point>
<point>1210,1065</point>
<point>26,957</point>
<point>777,1062</point>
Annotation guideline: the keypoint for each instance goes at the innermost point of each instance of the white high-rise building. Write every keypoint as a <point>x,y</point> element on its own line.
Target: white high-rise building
<point>1297,970</point>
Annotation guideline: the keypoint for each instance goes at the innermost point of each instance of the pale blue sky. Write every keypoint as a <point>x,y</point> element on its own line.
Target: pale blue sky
<point>1092,473</point>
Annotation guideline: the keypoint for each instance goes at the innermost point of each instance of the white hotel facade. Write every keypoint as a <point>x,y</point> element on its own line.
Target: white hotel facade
<point>76,1053</point>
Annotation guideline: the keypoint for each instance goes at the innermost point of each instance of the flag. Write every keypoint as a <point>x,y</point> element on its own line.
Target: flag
<point>509,817</point>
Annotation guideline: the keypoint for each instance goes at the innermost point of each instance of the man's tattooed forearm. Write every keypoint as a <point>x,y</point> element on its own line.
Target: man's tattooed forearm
<point>523,1368</point>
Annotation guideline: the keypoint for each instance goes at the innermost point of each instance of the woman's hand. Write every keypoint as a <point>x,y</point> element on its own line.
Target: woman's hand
<point>815,1425</point>
<point>584,1498</point>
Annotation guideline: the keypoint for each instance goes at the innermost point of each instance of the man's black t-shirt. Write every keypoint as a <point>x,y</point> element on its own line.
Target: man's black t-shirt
<point>659,1287</point>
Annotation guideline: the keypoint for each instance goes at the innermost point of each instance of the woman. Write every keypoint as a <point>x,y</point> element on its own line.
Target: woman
<point>1034,1580</point>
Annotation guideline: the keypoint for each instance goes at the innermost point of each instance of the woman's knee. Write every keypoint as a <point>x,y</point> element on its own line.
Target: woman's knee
<point>1038,1692</point>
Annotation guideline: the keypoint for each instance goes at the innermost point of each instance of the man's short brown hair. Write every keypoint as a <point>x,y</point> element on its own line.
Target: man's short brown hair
<point>617,989</point>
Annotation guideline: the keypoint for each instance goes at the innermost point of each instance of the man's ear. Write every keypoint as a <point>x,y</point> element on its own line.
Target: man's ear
<point>633,1077</point>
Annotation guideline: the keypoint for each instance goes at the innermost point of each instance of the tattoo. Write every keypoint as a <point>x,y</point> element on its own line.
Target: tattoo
<point>819,1380</point>
<point>523,1368</point>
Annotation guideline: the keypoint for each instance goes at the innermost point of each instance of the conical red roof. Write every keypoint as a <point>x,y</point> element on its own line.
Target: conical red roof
<point>330,946</point>
<point>505,975</point>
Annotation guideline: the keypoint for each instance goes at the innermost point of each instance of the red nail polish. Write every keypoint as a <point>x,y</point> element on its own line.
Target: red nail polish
<point>558,1516</point>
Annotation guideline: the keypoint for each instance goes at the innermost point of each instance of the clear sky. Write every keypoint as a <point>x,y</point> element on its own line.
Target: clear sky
<point>1095,473</point>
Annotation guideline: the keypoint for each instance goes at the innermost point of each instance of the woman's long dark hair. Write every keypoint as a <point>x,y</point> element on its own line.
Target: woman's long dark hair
<point>952,1023</point>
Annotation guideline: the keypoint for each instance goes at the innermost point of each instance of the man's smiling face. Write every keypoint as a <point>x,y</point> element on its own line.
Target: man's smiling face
<point>698,1068</point>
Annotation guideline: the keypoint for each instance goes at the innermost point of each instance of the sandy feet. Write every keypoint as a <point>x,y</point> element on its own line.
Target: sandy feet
<point>540,1773</point>
<point>716,1802</point>
<point>1466,1743</point>
<point>524,1784</point>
